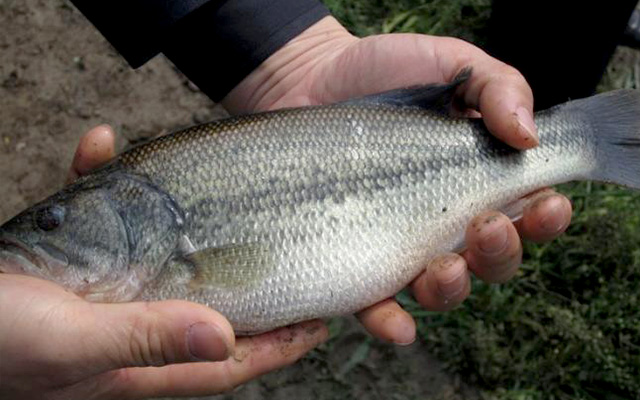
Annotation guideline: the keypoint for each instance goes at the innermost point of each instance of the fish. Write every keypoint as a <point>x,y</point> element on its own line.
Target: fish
<point>289,215</point>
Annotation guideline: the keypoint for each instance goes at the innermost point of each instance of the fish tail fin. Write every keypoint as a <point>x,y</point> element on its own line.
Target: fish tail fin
<point>615,117</point>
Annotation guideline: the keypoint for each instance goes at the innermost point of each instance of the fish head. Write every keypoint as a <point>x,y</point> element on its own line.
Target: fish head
<point>75,238</point>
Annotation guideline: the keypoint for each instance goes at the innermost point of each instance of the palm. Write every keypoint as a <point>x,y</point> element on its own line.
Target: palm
<point>379,63</point>
<point>385,62</point>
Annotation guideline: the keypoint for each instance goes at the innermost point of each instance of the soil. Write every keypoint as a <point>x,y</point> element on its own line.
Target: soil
<point>334,372</point>
<point>58,78</point>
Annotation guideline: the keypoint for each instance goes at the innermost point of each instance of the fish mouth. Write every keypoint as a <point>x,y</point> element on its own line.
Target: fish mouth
<point>17,257</point>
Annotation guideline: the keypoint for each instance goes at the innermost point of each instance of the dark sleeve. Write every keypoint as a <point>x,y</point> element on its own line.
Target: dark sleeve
<point>136,28</point>
<point>214,43</point>
<point>562,54</point>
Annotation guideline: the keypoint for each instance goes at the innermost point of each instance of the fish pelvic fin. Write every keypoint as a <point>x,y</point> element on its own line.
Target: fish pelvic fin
<point>435,97</point>
<point>615,117</point>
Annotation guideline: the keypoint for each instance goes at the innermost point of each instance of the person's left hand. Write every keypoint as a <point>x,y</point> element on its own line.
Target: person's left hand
<point>56,346</point>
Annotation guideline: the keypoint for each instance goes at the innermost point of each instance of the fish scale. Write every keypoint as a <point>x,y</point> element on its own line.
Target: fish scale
<point>372,230</point>
<point>295,214</point>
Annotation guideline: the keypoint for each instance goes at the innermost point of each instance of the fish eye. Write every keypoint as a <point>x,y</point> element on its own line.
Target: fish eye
<point>50,217</point>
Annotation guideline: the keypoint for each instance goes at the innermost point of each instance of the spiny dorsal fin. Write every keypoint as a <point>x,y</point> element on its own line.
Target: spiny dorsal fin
<point>436,97</point>
<point>230,266</point>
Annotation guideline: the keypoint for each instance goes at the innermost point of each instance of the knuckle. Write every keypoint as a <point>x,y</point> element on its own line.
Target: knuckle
<point>509,72</point>
<point>454,42</point>
<point>118,384</point>
<point>505,77</point>
<point>446,261</point>
<point>485,223</point>
<point>505,271</point>
<point>148,344</point>
<point>229,379</point>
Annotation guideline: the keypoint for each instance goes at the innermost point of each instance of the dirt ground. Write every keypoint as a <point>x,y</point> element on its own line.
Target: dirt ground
<point>58,78</point>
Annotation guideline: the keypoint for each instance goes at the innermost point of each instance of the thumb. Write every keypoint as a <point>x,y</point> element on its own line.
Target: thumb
<point>154,334</point>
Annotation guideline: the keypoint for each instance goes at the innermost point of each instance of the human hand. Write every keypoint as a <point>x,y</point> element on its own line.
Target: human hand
<point>325,64</point>
<point>55,345</point>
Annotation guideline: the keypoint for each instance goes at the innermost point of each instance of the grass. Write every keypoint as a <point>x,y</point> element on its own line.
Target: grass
<point>568,326</point>
<point>466,19</point>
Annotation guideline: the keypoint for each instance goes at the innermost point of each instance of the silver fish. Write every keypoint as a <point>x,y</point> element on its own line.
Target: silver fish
<point>285,216</point>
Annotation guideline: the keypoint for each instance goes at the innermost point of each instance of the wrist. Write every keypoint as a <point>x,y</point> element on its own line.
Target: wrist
<point>238,35</point>
<point>286,69</point>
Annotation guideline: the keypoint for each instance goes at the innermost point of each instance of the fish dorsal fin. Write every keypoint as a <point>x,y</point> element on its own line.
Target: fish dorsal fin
<point>436,97</point>
<point>229,266</point>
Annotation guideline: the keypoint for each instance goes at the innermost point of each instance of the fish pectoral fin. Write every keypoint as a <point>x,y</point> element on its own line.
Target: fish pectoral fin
<point>229,266</point>
<point>435,97</point>
<point>185,246</point>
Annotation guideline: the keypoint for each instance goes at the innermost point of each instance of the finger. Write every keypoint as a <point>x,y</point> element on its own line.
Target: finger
<point>95,148</point>
<point>505,101</point>
<point>545,217</point>
<point>445,283</point>
<point>253,357</point>
<point>388,321</point>
<point>497,90</point>
<point>152,334</point>
<point>494,250</point>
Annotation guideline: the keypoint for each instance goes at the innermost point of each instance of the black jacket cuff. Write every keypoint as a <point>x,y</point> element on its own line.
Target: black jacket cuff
<point>136,28</point>
<point>215,43</point>
<point>221,43</point>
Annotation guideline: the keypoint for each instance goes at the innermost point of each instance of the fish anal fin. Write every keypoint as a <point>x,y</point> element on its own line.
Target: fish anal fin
<point>514,209</point>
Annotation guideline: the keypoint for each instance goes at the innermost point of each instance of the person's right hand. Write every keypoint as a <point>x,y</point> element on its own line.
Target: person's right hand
<point>55,345</point>
<point>325,64</point>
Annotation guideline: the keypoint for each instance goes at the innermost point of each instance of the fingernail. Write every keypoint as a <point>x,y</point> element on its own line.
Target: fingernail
<point>207,342</point>
<point>553,220</point>
<point>527,126</point>
<point>494,236</point>
<point>401,329</point>
<point>449,275</point>
<point>405,333</point>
